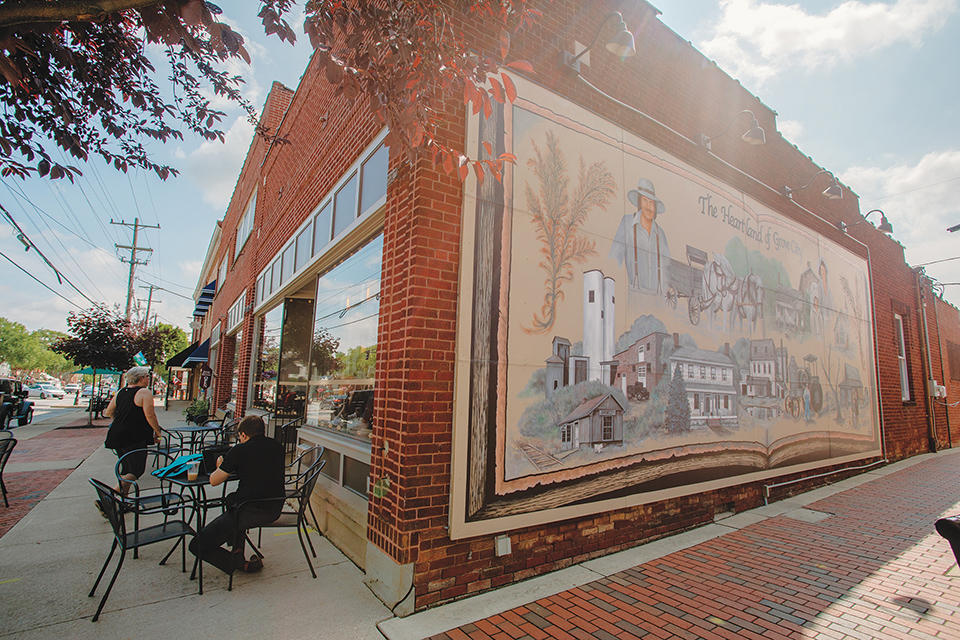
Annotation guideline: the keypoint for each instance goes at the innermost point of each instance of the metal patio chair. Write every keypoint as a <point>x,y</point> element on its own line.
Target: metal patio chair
<point>124,539</point>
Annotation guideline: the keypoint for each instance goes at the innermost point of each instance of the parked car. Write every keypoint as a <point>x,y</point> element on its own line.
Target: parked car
<point>35,391</point>
<point>87,391</point>
<point>13,404</point>
<point>71,389</point>
<point>52,391</point>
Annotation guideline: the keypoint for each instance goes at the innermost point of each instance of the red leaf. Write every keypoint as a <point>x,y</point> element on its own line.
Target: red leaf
<point>520,65</point>
<point>464,168</point>
<point>496,90</point>
<point>488,147</point>
<point>447,163</point>
<point>508,87</point>
<point>487,107</point>
<point>478,169</point>
<point>504,43</point>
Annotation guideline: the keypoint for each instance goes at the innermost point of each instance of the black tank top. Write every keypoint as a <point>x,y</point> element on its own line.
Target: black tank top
<point>130,417</point>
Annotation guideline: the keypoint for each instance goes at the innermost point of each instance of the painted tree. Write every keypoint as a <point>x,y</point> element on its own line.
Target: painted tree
<point>677,418</point>
<point>80,76</point>
<point>558,218</point>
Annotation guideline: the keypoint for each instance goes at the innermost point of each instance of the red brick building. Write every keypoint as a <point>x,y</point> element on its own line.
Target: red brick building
<point>376,300</point>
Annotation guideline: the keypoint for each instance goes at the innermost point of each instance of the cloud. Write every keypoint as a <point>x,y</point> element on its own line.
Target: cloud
<point>215,166</point>
<point>920,201</point>
<point>757,40</point>
<point>792,130</point>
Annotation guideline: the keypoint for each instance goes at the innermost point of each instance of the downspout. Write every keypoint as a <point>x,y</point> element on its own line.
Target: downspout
<point>927,366</point>
<point>936,315</point>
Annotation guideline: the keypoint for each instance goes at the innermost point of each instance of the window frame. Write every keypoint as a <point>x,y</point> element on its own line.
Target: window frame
<point>905,394</point>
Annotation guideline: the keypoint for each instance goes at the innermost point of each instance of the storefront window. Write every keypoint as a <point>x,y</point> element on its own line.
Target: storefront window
<point>235,383</point>
<point>268,360</point>
<point>344,343</point>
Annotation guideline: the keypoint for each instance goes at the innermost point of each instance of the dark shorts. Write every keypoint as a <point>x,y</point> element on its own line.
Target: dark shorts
<point>134,464</point>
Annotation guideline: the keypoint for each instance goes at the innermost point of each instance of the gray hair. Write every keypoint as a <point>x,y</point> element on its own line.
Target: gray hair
<point>137,374</point>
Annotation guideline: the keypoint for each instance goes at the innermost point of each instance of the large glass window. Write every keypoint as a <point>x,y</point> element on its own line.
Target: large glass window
<point>344,343</point>
<point>268,360</point>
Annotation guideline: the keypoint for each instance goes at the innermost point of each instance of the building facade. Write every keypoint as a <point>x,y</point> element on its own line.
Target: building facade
<point>403,317</point>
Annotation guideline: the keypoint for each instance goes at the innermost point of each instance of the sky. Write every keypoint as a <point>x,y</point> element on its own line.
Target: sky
<point>868,89</point>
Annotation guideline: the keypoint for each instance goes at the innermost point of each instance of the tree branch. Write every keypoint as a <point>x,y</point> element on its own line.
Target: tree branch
<point>40,11</point>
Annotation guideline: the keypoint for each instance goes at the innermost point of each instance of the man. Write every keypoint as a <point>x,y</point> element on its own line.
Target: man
<point>258,462</point>
<point>640,243</point>
<point>135,425</point>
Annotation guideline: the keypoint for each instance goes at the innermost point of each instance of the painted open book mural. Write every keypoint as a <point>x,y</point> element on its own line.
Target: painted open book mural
<point>633,329</point>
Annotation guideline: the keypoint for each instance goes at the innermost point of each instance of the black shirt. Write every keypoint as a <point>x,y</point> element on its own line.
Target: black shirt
<point>259,465</point>
<point>131,423</point>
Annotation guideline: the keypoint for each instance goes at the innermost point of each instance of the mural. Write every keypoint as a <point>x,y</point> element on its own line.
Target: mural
<point>633,329</point>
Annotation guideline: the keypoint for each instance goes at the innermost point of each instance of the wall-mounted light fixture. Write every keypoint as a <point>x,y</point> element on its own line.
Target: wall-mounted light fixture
<point>885,225</point>
<point>753,135</point>
<point>622,44</point>
<point>833,192</point>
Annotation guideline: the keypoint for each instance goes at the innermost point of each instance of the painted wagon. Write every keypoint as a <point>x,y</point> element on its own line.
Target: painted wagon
<point>685,280</point>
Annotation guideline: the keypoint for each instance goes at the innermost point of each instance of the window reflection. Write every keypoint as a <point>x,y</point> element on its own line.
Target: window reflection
<point>344,346</point>
<point>235,383</point>
<point>268,360</point>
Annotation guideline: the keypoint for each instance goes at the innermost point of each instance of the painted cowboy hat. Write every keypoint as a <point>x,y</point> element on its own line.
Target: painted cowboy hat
<point>645,189</point>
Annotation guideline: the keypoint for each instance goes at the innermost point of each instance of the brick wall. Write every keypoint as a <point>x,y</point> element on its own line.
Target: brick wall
<point>416,354</point>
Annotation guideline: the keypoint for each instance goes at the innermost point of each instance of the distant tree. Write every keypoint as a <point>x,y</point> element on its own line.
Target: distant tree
<point>80,74</point>
<point>159,343</point>
<point>15,344</point>
<point>677,418</point>
<point>48,360</point>
<point>99,338</point>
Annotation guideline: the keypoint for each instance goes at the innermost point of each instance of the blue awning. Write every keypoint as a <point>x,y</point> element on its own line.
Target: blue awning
<point>177,360</point>
<point>205,299</point>
<point>200,354</point>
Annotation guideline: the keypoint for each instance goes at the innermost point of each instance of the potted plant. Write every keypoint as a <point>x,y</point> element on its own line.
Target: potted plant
<point>197,411</point>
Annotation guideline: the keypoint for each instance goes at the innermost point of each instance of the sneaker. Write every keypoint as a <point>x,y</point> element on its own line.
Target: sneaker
<point>100,509</point>
<point>253,565</point>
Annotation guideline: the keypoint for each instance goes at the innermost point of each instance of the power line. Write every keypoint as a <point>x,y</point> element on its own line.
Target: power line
<point>937,261</point>
<point>38,280</point>
<point>22,237</point>
<point>892,195</point>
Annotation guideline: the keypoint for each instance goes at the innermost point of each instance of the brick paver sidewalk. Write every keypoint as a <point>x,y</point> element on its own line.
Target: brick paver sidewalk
<point>865,563</point>
<point>26,488</point>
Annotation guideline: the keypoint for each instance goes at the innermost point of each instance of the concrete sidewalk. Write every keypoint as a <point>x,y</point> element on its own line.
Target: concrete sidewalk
<point>858,559</point>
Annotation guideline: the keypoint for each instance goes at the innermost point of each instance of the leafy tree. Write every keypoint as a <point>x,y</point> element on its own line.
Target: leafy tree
<point>159,343</point>
<point>15,344</point>
<point>100,338</point>
<point>677,418</point>
<point>79,74</point>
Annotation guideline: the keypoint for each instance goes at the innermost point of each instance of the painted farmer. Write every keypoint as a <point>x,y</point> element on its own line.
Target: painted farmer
<point>640,243</point>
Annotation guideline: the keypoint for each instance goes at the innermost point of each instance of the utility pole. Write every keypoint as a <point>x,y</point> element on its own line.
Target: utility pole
<point>133,255</point>
<point>146,317</point>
